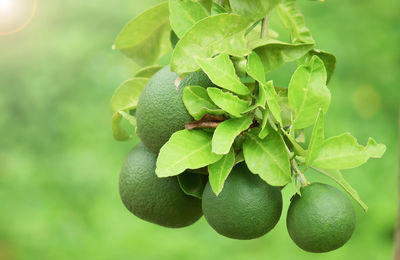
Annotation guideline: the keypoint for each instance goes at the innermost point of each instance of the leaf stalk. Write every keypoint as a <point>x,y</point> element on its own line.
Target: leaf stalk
<point>265,27</point>
<point>299,174</point>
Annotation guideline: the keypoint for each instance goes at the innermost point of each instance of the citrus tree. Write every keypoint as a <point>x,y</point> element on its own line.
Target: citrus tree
<point>218,137</point>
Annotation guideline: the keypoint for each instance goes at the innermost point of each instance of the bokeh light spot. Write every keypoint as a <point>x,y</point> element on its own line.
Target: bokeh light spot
<point>15,15</point>
<point>6,7</point>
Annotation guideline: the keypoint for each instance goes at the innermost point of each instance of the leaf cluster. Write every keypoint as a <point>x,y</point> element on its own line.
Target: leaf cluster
<point>258,123</point>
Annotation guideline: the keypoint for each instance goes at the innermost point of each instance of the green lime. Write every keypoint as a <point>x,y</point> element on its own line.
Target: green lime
<point>322,219</point>
<point>160,111</point>
<point>246,208</point>
<point>198,78</point>
<point>157,200</point>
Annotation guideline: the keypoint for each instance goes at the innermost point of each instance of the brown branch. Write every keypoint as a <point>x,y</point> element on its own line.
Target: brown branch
<point>213,118</point>
<point>211,121</point>
<point>254,124</point>
<point>207,121</point>
<point>194,125</point>
<point>397,232</point>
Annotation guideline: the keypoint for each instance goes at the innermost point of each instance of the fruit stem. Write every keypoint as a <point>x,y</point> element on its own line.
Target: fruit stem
<point>264,27</point>
<point>299,174</point>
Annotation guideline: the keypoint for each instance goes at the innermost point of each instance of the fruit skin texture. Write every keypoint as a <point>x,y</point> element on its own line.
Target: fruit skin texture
<point>160,111</point>
<point>157,200</point>
<point>198,78</point>
<point>322,219</point>
<point>246,208</point>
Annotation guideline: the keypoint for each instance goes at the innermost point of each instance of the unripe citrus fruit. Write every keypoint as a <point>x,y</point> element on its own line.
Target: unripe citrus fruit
<point>246,208</point>
<point>322,219</point>
<point>160,111</point>
<point>157,200</point>
<point>198,78</point>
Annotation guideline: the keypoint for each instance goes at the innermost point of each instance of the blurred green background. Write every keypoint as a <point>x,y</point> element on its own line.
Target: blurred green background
<point>59,164</point>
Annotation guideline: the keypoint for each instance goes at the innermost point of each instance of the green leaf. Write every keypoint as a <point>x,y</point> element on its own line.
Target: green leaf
<point>375,150</point>
<point>286,111</point>
<point>184,14</point>
<point>253,9</point>
<point>206,3</point>
<point>228,101</point>
<point>185,150</point>
<point>272,122</point>
<point>260,101</point>
<point>300,136</point>
<point>253,32</point>
<point>127,94</point>
<point>125,98</point>
<point>297,148</point>
<point>227,131</point>
<point>274,53</point>
<point>128,117</point>
<point>198,103</point>
<point>222,73</point>
<point>220,170</point>
<point>343,152</point>
<point>293,20</point>
<point>328,58</point>
<point>223,33</point>
<point>338,178</point>
<point>273,101</point>
<point>147,72</point>
<point>255,67</point>
<point>146,38</point>
<point>239,63</point>
<point>192,184</point>
<point>119,133</point>
<point>265,129</point>
<point>267,158</point>
<point>317,139</point>
<point>217,9</point>
<point>308,93</point>
<point>239,158</point>
<point>173,38</point>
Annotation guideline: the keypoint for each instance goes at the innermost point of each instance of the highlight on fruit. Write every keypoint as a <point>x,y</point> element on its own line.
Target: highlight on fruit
<point>219,138</point>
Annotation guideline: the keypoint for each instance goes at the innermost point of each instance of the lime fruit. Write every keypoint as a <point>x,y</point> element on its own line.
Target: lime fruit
<point>198,78</point>
<point>157,200</point>
<point>322,219</point>
<point>246,208</point>
<point>160,111</point>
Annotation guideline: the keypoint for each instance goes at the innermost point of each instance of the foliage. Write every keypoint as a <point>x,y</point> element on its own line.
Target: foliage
<point>59,162</point>
<point>214,42</point>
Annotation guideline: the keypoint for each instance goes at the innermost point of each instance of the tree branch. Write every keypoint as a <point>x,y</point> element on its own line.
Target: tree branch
<point>207,121</point>
<point>194,125</point>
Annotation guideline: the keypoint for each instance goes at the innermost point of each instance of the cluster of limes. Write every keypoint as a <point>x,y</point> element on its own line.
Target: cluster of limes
<point>320,220</point>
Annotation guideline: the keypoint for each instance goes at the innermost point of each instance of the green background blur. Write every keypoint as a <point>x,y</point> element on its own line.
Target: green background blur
<point>59,164</point>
